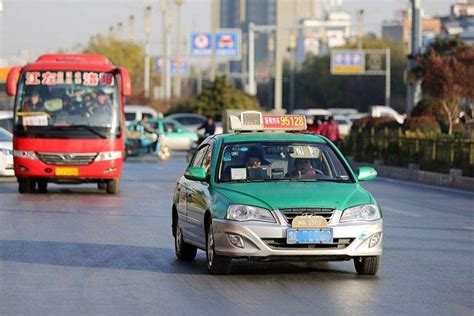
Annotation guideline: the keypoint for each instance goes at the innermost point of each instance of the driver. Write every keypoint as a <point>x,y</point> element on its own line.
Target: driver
<point>34,104</point>
<point>303,166</point>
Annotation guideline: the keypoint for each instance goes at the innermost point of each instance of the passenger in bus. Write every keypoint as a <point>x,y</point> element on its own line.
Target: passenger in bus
<point>102,105</point>
<point>87,105</point>
<point>34,104</point>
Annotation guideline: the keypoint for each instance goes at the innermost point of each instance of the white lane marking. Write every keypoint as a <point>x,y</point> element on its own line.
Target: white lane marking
<point>400,212</point>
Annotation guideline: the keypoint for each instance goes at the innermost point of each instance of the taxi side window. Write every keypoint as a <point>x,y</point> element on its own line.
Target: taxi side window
<point>198,157</point>
<point>206,162</point>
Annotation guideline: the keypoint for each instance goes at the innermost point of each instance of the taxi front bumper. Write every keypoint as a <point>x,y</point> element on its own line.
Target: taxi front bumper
<point>267,241</point>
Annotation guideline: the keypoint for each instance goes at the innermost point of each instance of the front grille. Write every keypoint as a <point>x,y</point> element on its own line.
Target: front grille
<point>280,243</point>
<point>291,213</point>
<point>67,158</point>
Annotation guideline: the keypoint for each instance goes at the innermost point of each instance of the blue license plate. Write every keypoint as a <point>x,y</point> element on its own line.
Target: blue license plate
<point>309,236</point>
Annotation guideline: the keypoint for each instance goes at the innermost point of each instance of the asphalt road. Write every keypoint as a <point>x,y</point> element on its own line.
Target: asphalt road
<point>77,251</point>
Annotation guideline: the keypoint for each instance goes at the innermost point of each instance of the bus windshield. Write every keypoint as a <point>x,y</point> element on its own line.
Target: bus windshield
<point>81,102</point>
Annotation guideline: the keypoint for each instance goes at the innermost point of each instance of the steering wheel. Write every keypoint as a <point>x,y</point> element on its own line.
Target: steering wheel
<point>316,171</point>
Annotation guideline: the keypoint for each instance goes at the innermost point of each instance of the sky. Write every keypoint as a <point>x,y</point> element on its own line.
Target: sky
<point>40,26</point>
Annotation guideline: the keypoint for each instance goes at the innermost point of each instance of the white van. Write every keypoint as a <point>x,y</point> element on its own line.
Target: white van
<point>382,110</point>
<point>137,112</point>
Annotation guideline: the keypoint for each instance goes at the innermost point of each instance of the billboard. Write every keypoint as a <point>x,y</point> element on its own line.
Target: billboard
<point>344,62</point>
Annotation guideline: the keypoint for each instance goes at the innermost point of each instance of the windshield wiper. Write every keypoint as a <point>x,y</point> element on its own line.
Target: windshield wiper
<point>88,128</point>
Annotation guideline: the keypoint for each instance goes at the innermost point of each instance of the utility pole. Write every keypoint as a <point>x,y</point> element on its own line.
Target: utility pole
<point>387,76</point>
<point>292,48</point>
<point>414,88</point>
<point>178,57</point>
<point>215,23</point>
<point>120,33</point>
<point>278,60</point>
<point>111,31</point>
<point>131,28</point>
<point>252,86</point>
<point>166,15</point>
<point>360,28</point>
<point>146,74</point>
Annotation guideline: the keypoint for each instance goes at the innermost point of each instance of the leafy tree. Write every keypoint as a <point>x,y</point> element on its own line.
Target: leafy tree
<point>215,98</point>
<point>121,53</point>
<point>446,71</point>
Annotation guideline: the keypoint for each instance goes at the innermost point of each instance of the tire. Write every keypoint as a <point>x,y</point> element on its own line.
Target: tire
<point>183,250</point>
<point>26,185</point>
<point>102,185</point>
<point>216,264</point>
<point>367,265</point>
<point>43,186</point>
<point>113,186</point>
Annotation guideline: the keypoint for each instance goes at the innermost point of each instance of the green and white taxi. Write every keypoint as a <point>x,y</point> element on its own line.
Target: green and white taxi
<point>275,194</point>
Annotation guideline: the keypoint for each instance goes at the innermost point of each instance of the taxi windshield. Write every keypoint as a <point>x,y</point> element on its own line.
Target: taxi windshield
<point>280,161</point>
<point>58,101</point>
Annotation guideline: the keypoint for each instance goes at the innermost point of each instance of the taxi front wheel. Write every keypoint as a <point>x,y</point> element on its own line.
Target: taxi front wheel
<point>215,263</point>
<point>367,265</point>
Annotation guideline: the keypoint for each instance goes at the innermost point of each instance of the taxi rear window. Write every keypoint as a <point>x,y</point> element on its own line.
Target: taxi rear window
<point>280,161</point>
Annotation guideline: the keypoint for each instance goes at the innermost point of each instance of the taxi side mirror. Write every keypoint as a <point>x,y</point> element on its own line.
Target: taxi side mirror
<point>12,80</point>
<point>196,173</point>
<point>366,173</point>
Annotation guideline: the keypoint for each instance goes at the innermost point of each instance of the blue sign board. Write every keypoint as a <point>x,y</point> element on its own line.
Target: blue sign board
<point>177,66</point>
<point>347,62</point>
<point>228,44</point>
<point>201,44</point>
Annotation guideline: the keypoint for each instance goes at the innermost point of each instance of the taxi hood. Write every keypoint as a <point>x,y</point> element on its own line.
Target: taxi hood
<point>283,194</point>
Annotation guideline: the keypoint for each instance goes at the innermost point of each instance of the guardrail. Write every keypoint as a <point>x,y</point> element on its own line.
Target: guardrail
<point>424,153</point>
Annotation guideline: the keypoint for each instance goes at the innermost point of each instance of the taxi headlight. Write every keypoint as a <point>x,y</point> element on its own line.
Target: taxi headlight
<point>25,154</point>
<point>6,151</point>
<point>108,155</point>
<point>367,212</point>
<point>243,213</point>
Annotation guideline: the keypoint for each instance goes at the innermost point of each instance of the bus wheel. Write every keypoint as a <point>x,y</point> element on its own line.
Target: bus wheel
<point>102,186</point>
<point>42,186</point>
<point>113,186</point>
<point>26,185</point>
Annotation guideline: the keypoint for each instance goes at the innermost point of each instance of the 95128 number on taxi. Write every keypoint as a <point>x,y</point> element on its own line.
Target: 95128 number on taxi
<point>267,196</point>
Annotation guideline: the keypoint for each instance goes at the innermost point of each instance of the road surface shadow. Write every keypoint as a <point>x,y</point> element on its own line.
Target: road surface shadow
<point>151,259</point>
<point>88,255</point>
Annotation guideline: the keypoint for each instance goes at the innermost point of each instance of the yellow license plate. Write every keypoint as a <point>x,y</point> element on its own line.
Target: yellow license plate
<point>309,221</point>
<point>66,171</point>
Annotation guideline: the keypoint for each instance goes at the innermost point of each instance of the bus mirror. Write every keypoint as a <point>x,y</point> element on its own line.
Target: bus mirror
<point>12,80</point>
<point>126,82</point>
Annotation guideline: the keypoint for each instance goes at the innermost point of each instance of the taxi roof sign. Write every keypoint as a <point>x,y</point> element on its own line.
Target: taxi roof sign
<point>256,121</point>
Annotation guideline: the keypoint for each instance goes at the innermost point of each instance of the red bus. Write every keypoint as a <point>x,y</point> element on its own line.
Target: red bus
<point>68,121</point>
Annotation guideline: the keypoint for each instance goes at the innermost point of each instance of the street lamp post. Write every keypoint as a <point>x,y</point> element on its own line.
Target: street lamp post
<point>166,80</point>
<point>414,88</point>
<point>177,83</point>
<point>146,74</point>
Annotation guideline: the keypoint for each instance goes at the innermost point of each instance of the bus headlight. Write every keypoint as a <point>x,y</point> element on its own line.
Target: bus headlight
<point>108,155</point>
<point>25,154</point>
